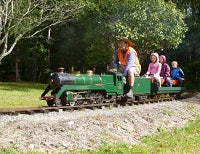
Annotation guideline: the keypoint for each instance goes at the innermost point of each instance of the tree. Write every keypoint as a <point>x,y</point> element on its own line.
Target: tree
<point>151,25</point>
<point>26,18</point>
<point>188,52</point>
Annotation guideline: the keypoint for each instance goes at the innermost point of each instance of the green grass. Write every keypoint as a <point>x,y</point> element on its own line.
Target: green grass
<point>14,150</point>
<point>16,95</point>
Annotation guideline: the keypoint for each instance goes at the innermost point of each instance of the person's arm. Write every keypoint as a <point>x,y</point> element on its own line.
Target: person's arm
<point>129,63</point>
<point>148,70</point>
<point>116,60</point>
<point>167,71</point>
<point>172,73</point>
<point>181,72</point>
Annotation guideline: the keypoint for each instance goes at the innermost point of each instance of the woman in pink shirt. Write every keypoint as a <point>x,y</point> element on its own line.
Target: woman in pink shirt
<point>154,68</point>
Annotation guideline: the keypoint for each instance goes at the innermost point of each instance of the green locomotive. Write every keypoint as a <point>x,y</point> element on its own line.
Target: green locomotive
<point>72,89</point>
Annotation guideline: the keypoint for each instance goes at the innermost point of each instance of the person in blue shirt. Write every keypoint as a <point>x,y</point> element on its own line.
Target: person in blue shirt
<point>177,73</point>
<point>127,62</point>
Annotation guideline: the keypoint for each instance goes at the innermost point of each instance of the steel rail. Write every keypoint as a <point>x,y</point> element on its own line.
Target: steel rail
<point>129,102</point>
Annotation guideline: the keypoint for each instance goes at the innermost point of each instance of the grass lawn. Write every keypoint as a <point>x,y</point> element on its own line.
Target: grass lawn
<point>16,95</point>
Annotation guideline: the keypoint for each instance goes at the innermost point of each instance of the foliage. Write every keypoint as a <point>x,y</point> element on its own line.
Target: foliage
<point>68,47</point>
<point>188,52</point>
<point>192,72</point>
<point>19,18</point>
<point>90,41</point>
<point>187,55</point>
<point>151,25</point>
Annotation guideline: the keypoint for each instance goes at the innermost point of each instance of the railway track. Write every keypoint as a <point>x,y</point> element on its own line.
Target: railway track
<point>111,104</point>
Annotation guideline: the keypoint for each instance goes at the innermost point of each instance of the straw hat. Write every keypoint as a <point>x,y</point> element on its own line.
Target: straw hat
<point>125,39</point>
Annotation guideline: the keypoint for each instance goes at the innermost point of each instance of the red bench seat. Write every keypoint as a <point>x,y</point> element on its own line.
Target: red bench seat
<point>174,82</point>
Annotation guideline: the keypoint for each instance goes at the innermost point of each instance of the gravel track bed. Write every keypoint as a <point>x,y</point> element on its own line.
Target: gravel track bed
<point>63,131</point>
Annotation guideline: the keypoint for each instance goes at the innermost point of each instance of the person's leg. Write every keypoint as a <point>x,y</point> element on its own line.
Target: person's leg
<point>131,77</point>
<point>131,80</point>
<point>168,80</point>
<point>180,81</point>
<point>157,78</point>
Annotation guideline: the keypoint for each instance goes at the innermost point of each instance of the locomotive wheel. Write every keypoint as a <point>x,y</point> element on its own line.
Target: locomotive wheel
<point>58,102</point>
<point>72,103</point>
<point>91,101</point>
<point>63,99</point>
<point>99,99</point>
<point>50,103</point>
<point>80,102</point>
<point>124,99</point>
<point>63,102</point>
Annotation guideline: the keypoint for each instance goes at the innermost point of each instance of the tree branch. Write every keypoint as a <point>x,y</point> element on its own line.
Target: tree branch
<point>7,52</point>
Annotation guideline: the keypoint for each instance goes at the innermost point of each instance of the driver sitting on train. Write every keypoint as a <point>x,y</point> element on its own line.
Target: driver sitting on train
<point>127,62</point>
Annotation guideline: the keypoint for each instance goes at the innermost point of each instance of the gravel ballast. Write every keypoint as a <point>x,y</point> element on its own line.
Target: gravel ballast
<point>63,131</point>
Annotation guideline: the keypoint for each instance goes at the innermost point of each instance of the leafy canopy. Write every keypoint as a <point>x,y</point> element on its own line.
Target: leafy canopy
<point>27,18</point>
<point>151,25</point>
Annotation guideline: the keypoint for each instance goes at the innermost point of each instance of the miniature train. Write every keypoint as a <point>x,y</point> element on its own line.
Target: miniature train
<point>80,89</point>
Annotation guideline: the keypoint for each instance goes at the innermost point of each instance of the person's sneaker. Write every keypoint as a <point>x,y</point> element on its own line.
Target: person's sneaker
<point>129,94</point>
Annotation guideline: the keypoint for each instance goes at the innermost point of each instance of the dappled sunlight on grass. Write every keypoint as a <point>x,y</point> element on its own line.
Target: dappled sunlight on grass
<point>16,95</point>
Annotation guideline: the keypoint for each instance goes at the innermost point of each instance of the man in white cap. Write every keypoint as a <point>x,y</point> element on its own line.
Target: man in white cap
<point>127,62</point>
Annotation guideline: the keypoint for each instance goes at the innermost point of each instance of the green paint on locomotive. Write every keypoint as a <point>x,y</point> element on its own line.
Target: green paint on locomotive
<point>70,96</point>
<point>112,84</point>
<point>142,86</point>
<point>85,79</point>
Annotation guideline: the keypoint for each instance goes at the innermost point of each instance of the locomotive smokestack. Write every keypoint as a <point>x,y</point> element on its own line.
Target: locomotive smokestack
<point>89,72</point>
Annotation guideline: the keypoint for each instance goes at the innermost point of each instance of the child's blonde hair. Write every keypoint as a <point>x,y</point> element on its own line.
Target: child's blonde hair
<point>174,62</point>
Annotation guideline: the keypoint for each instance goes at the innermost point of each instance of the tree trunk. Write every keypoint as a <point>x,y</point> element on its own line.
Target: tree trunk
<point>34,66</point>
<point>49,53</point>
<point>17,76</point>
<point>72,69</point>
